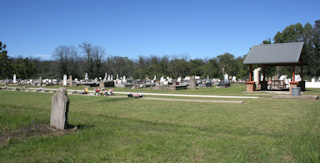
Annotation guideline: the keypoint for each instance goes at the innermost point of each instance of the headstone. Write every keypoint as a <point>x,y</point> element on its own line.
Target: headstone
<point>86,76</point>
<point>256,75</point>
<point>70,81</point>
<point>105,76</point>
<point>226,78</point>
<point>155,77</point>
<point>64,80</point>
<point>117,76</point>
<point>192,83</point>
<point>14,79</point>
<point>40,80</point>
<point>179,79</point>
<point>59,109</point>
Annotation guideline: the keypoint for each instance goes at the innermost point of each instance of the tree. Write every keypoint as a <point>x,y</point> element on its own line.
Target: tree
<point>310,36</point>
<point>227,64</point>
<point>93,58</point>
<point>5,63</point>
<point>212,69</point>
<point>62,54</point>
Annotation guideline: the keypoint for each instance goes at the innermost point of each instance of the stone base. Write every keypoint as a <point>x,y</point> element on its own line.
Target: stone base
<point>293,84</point>
<point>251,86</point>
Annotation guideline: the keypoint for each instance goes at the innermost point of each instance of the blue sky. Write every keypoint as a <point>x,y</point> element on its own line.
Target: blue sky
<point>132,28</point>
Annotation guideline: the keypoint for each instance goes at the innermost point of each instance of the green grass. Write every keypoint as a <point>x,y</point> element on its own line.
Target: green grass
<point>136,130</point>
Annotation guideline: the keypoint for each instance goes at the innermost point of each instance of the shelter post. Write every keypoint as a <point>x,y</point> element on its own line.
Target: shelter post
<point>251,85</point>
<point>302,83</point>
<point>294,83</point>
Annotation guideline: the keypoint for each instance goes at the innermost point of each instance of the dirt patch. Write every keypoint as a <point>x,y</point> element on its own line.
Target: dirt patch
<point>35,130</point>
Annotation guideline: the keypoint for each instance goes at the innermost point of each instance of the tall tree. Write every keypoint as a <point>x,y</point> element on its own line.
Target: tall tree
<point>5,63</point>
<point>93,57</point>
<point>227,64</point>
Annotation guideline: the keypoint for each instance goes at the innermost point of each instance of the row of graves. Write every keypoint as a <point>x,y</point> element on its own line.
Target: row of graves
<point>165,83</point>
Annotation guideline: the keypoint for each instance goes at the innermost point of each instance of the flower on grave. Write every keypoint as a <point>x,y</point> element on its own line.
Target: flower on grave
<point>111,91</point>
<point>105,93</point>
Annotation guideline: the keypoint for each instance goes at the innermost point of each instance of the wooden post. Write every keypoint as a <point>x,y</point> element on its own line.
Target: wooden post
<point>293,69</point>
<point>250,73</point>
<point>264,72</point>
<point>301,72</point>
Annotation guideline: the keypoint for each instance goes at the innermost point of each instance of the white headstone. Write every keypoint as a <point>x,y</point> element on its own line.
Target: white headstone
<point>179,79</point>
<point>117,76</point>
<point>65,80</point>
<point>256,75</point>
<point>226,76</point>
<point>155,77</point>
<point>14,78</point>
<point>297,77</point>
<point>86,76</point>
<point>162,79</point>
<point>105,76</point>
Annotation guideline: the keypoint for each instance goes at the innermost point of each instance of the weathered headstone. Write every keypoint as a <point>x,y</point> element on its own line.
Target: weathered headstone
<point>59,109</point>
<point>192,83</point>
<point>40,80</point>
<point>70,81</point>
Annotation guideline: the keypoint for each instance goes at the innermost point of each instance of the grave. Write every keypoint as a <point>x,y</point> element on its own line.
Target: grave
<point>60,109</point>
<point>192,83</point>
<point>225,83</point>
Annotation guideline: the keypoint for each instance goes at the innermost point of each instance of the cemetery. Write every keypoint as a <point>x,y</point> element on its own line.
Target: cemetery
<point>187,119</point>
<point>166,119</point>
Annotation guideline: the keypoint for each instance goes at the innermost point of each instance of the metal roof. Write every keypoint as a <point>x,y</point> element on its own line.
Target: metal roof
<point>277,54</point>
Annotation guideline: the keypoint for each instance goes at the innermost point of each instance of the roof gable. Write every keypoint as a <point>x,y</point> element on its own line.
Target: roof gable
<point>276,54</point>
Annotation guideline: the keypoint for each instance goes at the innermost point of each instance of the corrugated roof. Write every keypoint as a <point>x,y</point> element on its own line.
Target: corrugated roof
<point>276,54</point>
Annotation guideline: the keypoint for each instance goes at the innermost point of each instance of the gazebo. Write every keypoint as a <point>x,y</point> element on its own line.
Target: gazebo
<point>281,54</point>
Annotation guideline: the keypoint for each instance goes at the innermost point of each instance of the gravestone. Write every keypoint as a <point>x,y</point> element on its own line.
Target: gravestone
<point>70,81</point>
<point>192,83</point>
<point>40,80</point>
<point>14,79</point>
<point>86,77</point>
<point>59,109</point>
<point>64,80</point>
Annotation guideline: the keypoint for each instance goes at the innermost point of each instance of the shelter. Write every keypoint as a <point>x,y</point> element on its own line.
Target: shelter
<point>282,54</point>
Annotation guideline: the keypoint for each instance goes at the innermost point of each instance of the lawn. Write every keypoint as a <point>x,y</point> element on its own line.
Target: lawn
<point>135,130</point>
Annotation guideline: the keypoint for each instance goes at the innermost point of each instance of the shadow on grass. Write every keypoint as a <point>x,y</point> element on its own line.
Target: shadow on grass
<point>79,126</point>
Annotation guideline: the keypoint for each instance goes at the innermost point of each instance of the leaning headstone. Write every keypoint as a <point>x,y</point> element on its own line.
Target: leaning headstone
<point>59,109</point>
<point>192,83</point>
